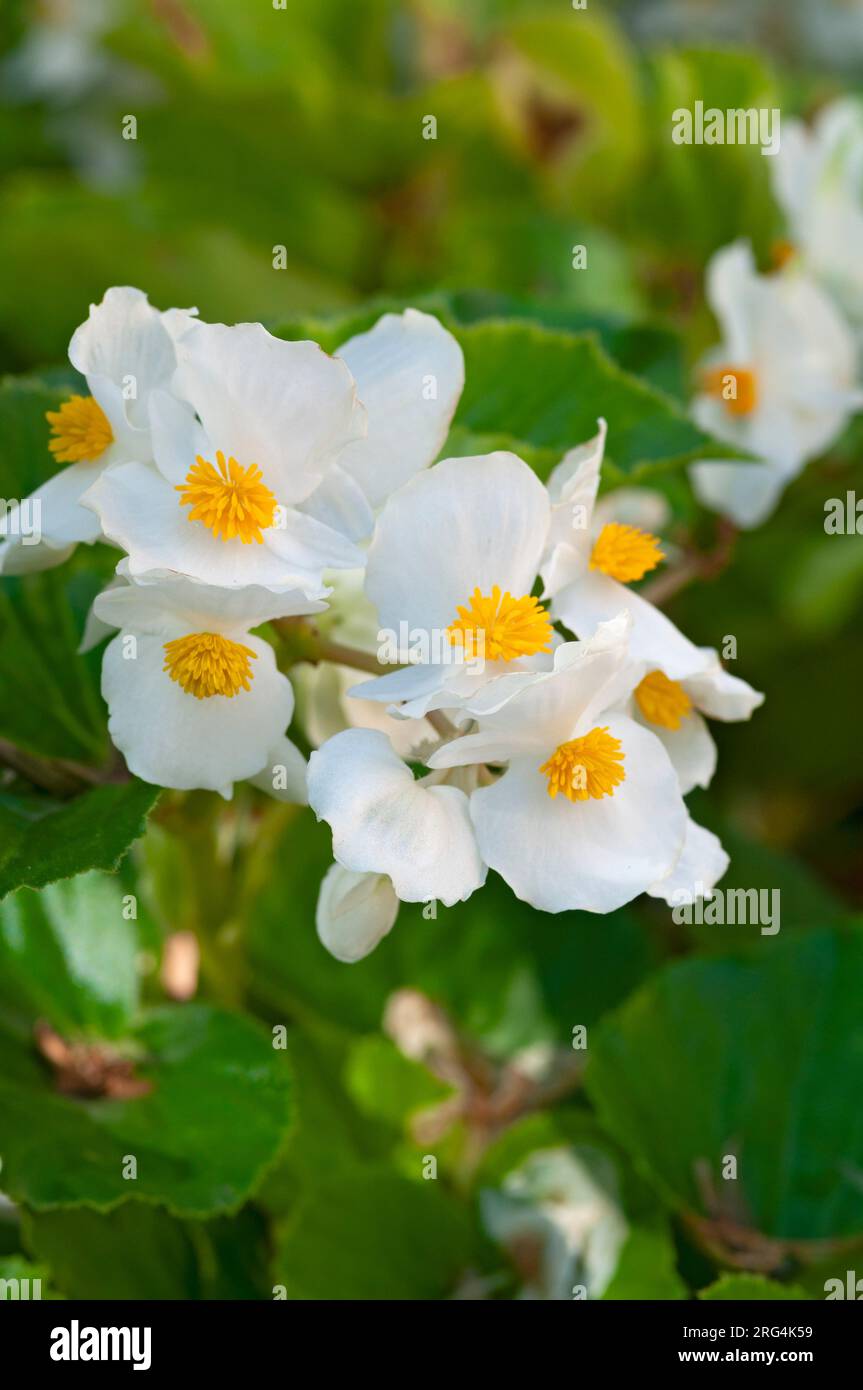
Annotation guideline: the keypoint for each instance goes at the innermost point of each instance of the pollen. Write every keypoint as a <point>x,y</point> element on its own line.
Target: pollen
<point>663,701</point>
<point>501,627</point>
<point>231,500</point>
<point>586,768</point>
<point>625,552</point>
<point>206,663</point>
<point>736,387</point>
<point>81,430</point>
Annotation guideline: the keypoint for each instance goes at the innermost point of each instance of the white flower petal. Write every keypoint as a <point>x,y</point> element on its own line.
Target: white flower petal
<point>653,638</point>
<point>592,855</point>
<point>396,365</point>
<point>169,737</point>
<point>283,776</point>
<point>287,407</point>
<point>719,694</point>
<point>747,493</point>
<point>572,488</point>
<point>354,912</point>
<point>701,865</point>
<point>384,822</point>
<point>467,523</point>
<point>54,513</point>
<point>125,341</point>
<point>340,503</point>
<point>690,748</point>
<point>160,606</point>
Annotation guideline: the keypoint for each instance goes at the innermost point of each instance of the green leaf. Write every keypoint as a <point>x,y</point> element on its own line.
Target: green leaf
<point>647,1266</point>
<point>549,387</point>
<point>68,955</point>
<point>23,1280</point>
<point>375,1235</point>
<point>212,1124</point>
<point>43,840</point>
<point>736,1287</point>
<point>140,1251</point>
<point>25,459</point>
<point>761,1059</point>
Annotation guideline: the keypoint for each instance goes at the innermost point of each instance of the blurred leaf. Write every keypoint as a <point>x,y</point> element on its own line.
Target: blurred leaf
<point>20,1279</point>
<point>43,840</point>
<point>203,1137</point>
<point>68,955</point>
<point>732,1288</point>
<point>375,1235</point>
<point>139,1251</point>
<point>647,1266</point>
<point>761,1059</point>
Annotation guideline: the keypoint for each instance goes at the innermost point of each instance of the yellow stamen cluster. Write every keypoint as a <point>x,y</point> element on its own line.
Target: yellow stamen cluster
<point>231,500</point>
<point>500,627</point>
<point>663,701</point>
<point>625,552</point>
<point>585,768</point>
<point>81,430</point>
<point>206,663</point>
<point>736,387</point>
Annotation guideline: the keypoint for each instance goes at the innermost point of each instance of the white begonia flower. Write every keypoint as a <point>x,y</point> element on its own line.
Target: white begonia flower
<point>451,567</point>
<point>409,372</point>
<point>126,349</point>
<point>674,683</point>
<point>417,833</point>
<point>355,912</point>
<point>781,386</point>
<point>818,182</point>
<point>221,505</point>
<point>193,700</point>
<point>560,1218</point>
<point>588,813</point>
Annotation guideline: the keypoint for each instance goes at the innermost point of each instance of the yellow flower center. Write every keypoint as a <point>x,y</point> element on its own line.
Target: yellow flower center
<point>586,767</point>
<point>230,499</point>
<point>81,430</point>
<point>501,627</point>
<point>736,387</point>
<point>663,701</point>
<point>781,252</point>
<point>205,664</point>
<point>625,552</point>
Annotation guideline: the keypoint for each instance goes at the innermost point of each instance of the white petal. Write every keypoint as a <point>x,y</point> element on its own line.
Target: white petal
<point>690,748</point>
<point>287,407</point>
<point>590,855</point>
<point>396,365</point>
<point>339,502</point>
<point>730,277</point>
<point>572,488</point>
<point>701,865</point>
<point>653,638</point>
<point>283,776</point>
<point>384,822</point>
<point>354,912</point>
<point>747,493</point>
<point>171,603</point>
<point>125,341</point>
<point>53,517</point>
<point>169,737</point>
<point>719,694</point>
<point>467,523</point>
<point>177,436</point>
<point>141,511</point>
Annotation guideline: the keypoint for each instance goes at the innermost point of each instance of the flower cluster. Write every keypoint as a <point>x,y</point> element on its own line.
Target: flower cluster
<point>546,720</point>
<point>787,377</point>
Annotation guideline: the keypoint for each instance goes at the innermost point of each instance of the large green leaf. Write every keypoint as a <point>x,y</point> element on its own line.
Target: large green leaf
<point>43,840</point>
<point>732,1288</point>
<point>68,955</point>
<point>141,1251</point>
<point>761,1059</point>
<point>375,1235</point>
<point>203,1137</point>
